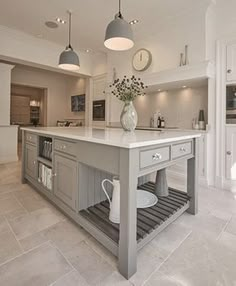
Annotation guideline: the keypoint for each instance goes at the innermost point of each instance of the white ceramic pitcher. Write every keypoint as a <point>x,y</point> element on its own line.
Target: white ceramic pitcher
<point>114,215</point>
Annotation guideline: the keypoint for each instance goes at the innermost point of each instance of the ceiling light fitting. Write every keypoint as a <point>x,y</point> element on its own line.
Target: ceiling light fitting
<point>119,34</point>
<point>133,22</point>
<point>59,20</point>
<point>69,60</point>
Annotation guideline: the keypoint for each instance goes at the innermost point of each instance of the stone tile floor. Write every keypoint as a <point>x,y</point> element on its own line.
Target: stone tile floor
<point>41,246</point>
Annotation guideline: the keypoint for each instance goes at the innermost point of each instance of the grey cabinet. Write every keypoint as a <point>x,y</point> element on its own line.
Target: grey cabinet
<point>31,160</point>
<point>65,180</point>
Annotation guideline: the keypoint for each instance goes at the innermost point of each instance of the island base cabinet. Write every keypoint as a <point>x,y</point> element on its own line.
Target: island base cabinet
<point>31,160</point>
<point>65,180</point>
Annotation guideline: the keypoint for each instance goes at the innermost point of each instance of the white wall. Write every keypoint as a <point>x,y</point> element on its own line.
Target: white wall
<point>57,86</point>
<point>178,106</point>
<point>8,144</point>
<point>5,92</point>
<point>75,86</point>
<point>26,49</point>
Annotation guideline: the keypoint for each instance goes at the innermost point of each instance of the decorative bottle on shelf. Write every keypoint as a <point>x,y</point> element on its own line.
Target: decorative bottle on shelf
<point>186,62</point>
<point>159,121</point>
<point>201,120</point>
<point>162,122</point>
<point>181,63</point>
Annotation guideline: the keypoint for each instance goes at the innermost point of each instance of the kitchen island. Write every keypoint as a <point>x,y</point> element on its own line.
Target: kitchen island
<point>67,165</point>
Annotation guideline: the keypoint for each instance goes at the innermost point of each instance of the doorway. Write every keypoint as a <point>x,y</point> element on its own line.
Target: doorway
<point>28,108</point>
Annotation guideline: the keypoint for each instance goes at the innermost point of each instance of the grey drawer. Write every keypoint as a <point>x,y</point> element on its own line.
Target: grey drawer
<point>31,138</point>
<point>182,149</point>
<point>65,147</point>
<point>155,156</point>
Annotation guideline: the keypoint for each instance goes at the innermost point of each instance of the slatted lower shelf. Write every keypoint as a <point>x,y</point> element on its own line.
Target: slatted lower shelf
<point>148,220</point>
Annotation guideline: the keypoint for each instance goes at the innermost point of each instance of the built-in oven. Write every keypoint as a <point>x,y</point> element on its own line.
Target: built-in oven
<point>99,110</point>
<point>231,104</point>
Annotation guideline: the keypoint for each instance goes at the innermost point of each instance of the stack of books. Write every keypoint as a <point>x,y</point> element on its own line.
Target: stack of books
<point>45,176</point>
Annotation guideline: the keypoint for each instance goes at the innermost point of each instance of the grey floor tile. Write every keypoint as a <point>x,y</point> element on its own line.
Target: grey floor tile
<point>32,203</point>
<point>202,223</point>
<point>101,250</point>
<point>201,260</point>
<point>34,222</point>
<point>41,266</point>
<point>91,266</point>
<point>170,238</point>
<point>228,240</point>
<point>64,235</point>
<point>159,279</point>
<point>115,279</point>
<point>150,258</point>
<point>16,213</point>
<point>3,225</point>
<point>8,205</point>
<point>231,227</point>
<point>71,279</point>
<point>9,247</point>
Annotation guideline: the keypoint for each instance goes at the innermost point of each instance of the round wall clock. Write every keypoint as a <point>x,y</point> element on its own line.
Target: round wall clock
<point>142,60</point>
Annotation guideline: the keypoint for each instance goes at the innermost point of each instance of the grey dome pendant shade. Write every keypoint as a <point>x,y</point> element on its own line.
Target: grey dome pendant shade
<point>119,34</point>
<point>69,60</point>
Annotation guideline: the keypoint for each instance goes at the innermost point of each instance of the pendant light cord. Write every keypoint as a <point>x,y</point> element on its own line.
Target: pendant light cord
<point>69,30</point>
<point>119,14</point>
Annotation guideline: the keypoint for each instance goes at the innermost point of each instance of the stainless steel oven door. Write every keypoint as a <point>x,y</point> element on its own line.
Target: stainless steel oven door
<point>99,110</point>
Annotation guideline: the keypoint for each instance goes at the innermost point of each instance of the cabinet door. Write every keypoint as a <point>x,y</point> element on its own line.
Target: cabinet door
<point>231,153</point>
<point>65,180</point>
<point>31,160</point>
<point>231,63</point>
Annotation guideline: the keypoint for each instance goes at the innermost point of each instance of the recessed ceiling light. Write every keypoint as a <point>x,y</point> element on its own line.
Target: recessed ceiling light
<point>61,21</point>
<point>51,24</point>
<point>88,51</point>
<point>39,35</point>
<point>133,22</point>
<point>159,90</point>
<point>184,86</point>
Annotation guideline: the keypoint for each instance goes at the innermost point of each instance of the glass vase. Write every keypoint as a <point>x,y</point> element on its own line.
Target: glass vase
<point>128,117</point>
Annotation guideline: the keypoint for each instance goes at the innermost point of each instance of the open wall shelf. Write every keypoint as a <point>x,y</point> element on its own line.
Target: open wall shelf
<point>150,221</point>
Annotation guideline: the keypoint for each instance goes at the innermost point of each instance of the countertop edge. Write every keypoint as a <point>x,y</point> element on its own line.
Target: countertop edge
<point>120,145</point>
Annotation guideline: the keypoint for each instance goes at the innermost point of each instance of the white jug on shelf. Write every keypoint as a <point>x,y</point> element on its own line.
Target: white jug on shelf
<point>114,214</point>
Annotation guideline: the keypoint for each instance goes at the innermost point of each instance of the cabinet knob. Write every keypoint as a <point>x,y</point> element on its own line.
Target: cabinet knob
<point>54,174</point>
<point>34,162</point>
<point>229,71</point>
<point>228,153</point>
<point>156,156</point>
<point>182,149</point>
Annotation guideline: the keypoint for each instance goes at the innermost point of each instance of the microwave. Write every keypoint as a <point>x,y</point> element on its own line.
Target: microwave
<point>99,110</point>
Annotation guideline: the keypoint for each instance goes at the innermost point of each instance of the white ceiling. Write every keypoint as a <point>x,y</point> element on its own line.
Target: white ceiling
<point>90,17</point>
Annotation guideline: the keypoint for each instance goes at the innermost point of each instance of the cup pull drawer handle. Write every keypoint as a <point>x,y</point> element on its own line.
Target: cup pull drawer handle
<point>156,156</point>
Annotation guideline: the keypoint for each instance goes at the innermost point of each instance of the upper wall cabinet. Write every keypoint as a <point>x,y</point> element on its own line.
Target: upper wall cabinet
<point>231,63</point>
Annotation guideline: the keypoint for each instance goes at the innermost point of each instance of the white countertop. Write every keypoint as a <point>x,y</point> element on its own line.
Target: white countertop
<point>114,136</point>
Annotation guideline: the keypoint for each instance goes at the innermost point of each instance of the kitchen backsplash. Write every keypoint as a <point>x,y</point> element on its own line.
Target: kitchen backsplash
<point>178,106</point>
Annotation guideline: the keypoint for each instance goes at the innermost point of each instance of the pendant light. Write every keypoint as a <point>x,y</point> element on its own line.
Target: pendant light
<point>119,34</point>
<point>69,60</point>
